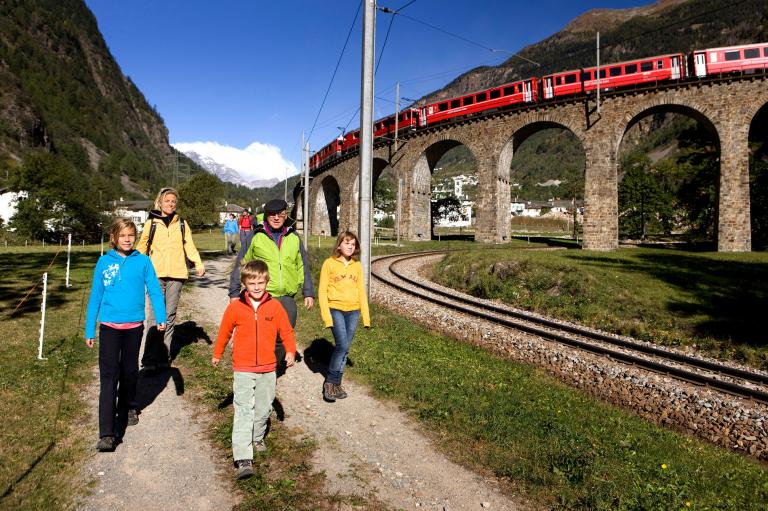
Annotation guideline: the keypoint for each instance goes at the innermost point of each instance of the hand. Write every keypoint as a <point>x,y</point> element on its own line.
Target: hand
<point>89,343</point>
<point>309,302</point>
<point>290,359</point>
<point>215,361</point>
<point>161,327</point>
<point>200,271</point>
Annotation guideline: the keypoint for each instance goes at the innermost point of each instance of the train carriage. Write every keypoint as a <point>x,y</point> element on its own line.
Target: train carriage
<point>524,91</point>
<point>732,59</point>
<point>614,76</point>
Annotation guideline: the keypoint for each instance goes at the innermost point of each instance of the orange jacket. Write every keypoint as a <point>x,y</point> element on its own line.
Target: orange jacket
<point>253,345</point>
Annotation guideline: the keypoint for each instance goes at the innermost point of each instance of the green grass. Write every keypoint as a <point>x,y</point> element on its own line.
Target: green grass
<point>707,300</point>
<point>43,443</point>
<point>556,445</point>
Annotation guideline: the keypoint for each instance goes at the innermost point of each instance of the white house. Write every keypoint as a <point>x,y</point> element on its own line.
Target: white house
<point>459,182</point>
<point>136,210</point>
<point>8,201</point>
<point>229,208</point>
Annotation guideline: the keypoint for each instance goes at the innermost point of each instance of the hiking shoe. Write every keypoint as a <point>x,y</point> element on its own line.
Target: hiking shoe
<point>340,392</point>
<point>244,469</point>
<point>133,417</point>
<point>259,446</point>
<point>106,444</point>
<point>329,392</point>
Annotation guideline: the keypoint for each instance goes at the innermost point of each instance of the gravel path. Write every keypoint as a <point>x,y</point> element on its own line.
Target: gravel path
<point>364,446</point>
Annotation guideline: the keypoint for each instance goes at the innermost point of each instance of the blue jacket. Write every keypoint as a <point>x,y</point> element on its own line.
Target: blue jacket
<point>117,291</point>
<point>230,227</point>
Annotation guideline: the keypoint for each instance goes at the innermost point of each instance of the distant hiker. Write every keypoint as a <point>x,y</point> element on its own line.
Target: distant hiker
<point>256,319</point>
<point>246,229</point>
<point>343,301</point>
<point>281,248</point>
<point>117,301</point>
<point>230,233</point>
<point>167,240</point>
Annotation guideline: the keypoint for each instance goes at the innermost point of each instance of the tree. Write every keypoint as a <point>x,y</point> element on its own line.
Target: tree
<point>201,199</point>
<point>645,203</point>
<point>445,208</point>
<point>58,198</point>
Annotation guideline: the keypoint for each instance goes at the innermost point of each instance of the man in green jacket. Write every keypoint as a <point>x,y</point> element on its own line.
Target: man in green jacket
<point>281,248</point>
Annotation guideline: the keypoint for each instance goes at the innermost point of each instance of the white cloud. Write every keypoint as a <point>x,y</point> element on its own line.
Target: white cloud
<point>257,161</point>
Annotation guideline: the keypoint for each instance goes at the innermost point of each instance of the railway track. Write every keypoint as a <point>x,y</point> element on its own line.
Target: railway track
<point>698,371</point>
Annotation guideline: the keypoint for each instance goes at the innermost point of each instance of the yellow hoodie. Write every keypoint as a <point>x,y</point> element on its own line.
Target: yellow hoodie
<point>167,250</point>
<point>342,287</point>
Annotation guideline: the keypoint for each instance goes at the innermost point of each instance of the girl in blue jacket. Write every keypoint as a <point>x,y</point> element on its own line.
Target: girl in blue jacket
<point>117,299</point>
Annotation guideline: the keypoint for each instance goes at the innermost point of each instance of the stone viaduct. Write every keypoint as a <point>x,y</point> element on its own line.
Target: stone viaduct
<point>726,109</point>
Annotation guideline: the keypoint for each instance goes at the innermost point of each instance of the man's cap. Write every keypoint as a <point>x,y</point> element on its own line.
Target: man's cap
<point>275,206</point>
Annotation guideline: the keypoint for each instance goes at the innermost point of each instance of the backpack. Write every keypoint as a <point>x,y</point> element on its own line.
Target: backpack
<point>153,228</point>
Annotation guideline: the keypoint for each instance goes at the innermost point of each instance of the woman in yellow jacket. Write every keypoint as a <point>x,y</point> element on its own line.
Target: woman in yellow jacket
<point>342,302</point>
<point>167,240</point>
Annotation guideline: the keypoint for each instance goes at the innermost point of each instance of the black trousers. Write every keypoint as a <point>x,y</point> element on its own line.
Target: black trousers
<point>289,304</point>
<point>118,374</point>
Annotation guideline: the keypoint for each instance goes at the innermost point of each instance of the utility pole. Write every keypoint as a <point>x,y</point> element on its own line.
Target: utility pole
<point>397,112</point>
<point>366,138</point>
<point>306,195</point>
<point>399,207</point>
<point>598,73</point>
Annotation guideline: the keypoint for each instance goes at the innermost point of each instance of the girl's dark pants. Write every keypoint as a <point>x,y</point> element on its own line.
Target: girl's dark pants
<point>118,374</point>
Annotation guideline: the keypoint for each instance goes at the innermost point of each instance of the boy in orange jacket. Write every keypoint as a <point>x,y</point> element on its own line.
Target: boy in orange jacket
<point>256,319</point>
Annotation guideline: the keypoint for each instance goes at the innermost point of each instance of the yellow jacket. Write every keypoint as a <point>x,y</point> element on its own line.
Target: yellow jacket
<point>342,287</point>
<point>167,252</point>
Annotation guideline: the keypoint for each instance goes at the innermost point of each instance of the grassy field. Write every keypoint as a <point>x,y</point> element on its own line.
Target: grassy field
<point>707,300</point>
<point>43,441</point>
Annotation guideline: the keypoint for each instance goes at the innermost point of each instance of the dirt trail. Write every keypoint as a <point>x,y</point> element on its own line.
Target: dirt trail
<point>364,445</point>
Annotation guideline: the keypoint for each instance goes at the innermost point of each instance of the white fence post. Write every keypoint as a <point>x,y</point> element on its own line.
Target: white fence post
<point>42,317</point>
<point>69,253</point>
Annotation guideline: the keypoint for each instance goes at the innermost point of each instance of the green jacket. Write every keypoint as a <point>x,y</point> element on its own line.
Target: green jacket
<point>285,260</point>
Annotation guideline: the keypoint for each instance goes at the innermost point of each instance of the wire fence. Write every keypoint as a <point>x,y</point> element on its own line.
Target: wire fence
<point>61,394</point>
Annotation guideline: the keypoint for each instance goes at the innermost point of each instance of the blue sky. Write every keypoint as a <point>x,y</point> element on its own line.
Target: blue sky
<point>247,76</point>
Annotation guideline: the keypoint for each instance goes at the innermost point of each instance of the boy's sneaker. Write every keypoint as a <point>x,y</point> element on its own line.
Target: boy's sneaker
<point>259,446</point>
<point>133,417</point>
<point>329,392</point>
<point>244,468</point>
<point>106,444</point>
<point>340,392</point>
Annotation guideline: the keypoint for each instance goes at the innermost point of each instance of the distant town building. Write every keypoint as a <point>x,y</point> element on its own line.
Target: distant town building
<point>229,208</point>
<point>135,210</point>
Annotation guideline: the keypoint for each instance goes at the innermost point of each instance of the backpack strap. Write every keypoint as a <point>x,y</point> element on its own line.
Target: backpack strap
<point>181,225</point>
<point>152,229</point>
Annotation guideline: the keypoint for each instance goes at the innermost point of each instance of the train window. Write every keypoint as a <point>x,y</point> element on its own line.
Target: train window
<point>752,53</point>
<point>586,75</point>
<point>495,94</point>
<point>442,107</point>
<point>602,73</point>
<point>615,71</point>
<point>570,79</point>
<point>469,100</point>
<point>508,91</point>
<point>481,97</point>
<point>765,51</point>
<point>630,68</point>
<point>732,55</point>
<point>646,66</point>
<point>660,64</point>
<point>558,80</point>
<point>456,103</point>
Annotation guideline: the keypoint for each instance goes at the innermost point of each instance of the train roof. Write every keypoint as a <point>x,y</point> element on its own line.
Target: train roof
<point>732,47</point>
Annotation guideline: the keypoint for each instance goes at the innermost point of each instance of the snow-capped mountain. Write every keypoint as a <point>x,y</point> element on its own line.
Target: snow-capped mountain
<point>228,174</point>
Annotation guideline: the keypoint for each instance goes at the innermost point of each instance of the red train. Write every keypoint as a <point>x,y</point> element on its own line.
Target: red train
<point>748,58</point>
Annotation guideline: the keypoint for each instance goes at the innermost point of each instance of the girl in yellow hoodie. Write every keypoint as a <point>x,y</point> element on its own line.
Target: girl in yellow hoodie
<point>342,302</point>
